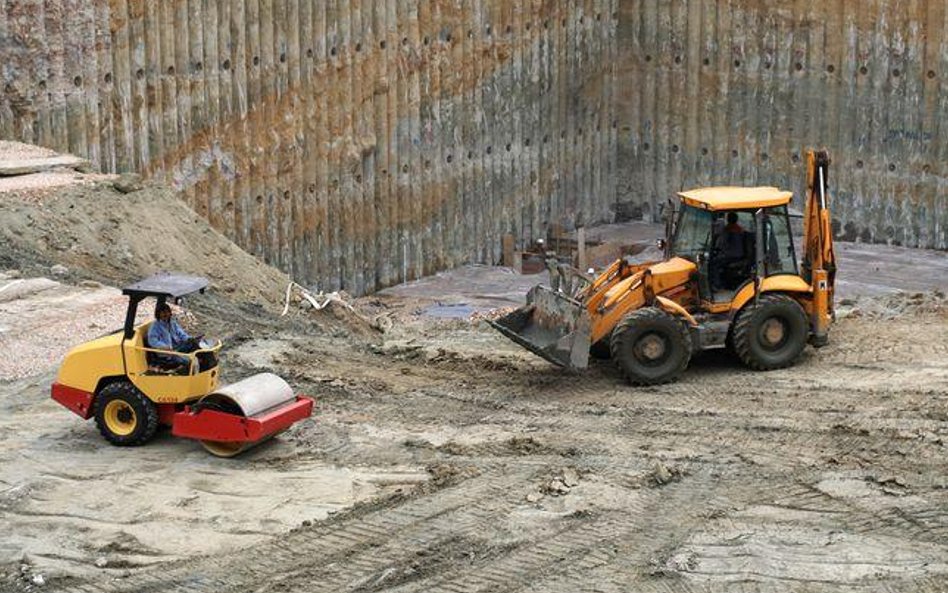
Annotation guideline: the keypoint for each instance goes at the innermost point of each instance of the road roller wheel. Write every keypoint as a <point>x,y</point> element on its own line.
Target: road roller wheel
<point>251,396</point>
<point>124,415</point>
<point>225,449</point>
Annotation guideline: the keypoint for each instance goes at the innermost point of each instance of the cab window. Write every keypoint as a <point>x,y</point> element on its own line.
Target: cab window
<point>692,234</point>
<point>779,257</point>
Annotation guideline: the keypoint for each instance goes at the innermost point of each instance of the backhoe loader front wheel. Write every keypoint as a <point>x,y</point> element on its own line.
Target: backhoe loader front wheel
<point>650,346</point>
<point>772,334</point>
<point>124,415</point>
<point>601,350</point>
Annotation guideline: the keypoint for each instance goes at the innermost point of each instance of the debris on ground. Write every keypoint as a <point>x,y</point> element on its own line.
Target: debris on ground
<point>674,565</point>
<point>128,183</point>
<point>317,301</point>
<point>662,474</point>
<point>334,309</point>
<point>894,306</point>
<point>562,483</point>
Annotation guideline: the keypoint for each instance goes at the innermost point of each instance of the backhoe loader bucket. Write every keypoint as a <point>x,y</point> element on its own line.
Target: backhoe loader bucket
<point>550,325</point>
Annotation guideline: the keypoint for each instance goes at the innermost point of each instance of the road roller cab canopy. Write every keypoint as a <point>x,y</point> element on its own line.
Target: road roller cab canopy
<point>161,287</point>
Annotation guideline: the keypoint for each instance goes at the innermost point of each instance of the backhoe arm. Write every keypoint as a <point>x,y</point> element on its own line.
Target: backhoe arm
<point>819,257</point>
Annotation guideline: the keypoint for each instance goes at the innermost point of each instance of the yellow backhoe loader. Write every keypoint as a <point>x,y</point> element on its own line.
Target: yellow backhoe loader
<point>729,278</point>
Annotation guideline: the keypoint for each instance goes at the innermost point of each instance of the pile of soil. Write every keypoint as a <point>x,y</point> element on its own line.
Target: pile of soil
<point>895,306</point>
<point>103,234</point>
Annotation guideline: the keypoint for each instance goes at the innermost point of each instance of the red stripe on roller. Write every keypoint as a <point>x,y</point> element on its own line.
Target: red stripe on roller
<point>77,400</point>
<point>211,425</point>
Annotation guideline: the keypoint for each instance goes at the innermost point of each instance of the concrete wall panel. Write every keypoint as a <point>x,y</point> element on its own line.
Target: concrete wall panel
<point>733,91</point>
<point>353,143</point>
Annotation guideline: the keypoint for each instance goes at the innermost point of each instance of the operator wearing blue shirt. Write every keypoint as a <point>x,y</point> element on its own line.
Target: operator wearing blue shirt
<point>166,334</point>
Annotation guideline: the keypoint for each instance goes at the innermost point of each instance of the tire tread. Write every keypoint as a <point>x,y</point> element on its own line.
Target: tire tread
<point>740,335</point>
<point>130,393</point>
<point>639,316</point>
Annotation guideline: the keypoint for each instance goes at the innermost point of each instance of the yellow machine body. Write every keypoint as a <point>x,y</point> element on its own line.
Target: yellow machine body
<point>86,367</point>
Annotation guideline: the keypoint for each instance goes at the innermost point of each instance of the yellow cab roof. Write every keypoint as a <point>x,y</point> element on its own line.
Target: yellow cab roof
<point>735,198</point>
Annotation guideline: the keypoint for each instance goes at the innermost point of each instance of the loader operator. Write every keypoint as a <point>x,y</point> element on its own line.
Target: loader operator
<point>730,251</point>
<point>166,334</point>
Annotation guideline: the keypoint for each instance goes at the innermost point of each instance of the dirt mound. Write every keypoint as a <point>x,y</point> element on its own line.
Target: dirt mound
<point>896,305</point>
<point>101,233</point>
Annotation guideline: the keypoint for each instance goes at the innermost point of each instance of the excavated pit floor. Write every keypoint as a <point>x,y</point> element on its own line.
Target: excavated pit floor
<point>443,458</point>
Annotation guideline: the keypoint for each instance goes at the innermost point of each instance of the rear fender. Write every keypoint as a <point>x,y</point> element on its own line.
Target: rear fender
<point>76,400</point>
<point>788,283</point>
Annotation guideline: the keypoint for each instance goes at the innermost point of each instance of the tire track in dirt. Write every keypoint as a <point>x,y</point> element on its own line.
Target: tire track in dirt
<point>732,441</point>
<point>376,537</point>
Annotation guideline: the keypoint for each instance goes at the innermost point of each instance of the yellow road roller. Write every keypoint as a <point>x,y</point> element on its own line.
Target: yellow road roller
<point>125,385</point>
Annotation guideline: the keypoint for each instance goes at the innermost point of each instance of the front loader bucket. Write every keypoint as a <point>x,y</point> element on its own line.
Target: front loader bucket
<point>550,325</point>
<point>239,416</point>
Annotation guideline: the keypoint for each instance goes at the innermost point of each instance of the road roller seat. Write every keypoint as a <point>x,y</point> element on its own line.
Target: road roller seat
<point>159,384</point>
<point>137,351</point>
<point>152,359</point>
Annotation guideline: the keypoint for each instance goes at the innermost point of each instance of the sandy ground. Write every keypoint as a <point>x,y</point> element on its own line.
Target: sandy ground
<point>442,457</point>
<point>474,466</point>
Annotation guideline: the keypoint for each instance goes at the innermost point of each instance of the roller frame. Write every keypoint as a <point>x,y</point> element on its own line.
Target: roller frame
<point>212,425</point>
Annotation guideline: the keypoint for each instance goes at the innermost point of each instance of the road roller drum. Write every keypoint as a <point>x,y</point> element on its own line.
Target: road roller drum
<point>250,397</point>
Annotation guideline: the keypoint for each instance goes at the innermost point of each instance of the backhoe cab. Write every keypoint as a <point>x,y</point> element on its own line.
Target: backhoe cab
<point>117,380</point>
<point>730,278</point>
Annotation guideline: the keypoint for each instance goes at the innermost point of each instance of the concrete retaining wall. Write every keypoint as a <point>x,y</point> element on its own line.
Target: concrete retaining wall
<point>353,143</point>
<point>732,92</point>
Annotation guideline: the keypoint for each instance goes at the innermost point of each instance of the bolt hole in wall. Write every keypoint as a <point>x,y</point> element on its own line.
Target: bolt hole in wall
<point>871,95</point>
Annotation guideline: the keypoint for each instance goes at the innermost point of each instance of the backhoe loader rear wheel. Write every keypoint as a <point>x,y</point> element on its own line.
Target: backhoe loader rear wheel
<point>651,347</point>
<point>124,415</point>
<point>771,335</point>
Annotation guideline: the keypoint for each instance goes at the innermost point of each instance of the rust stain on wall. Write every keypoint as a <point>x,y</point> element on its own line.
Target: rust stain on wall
<point>732,92</point>
<point>354,143</point>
